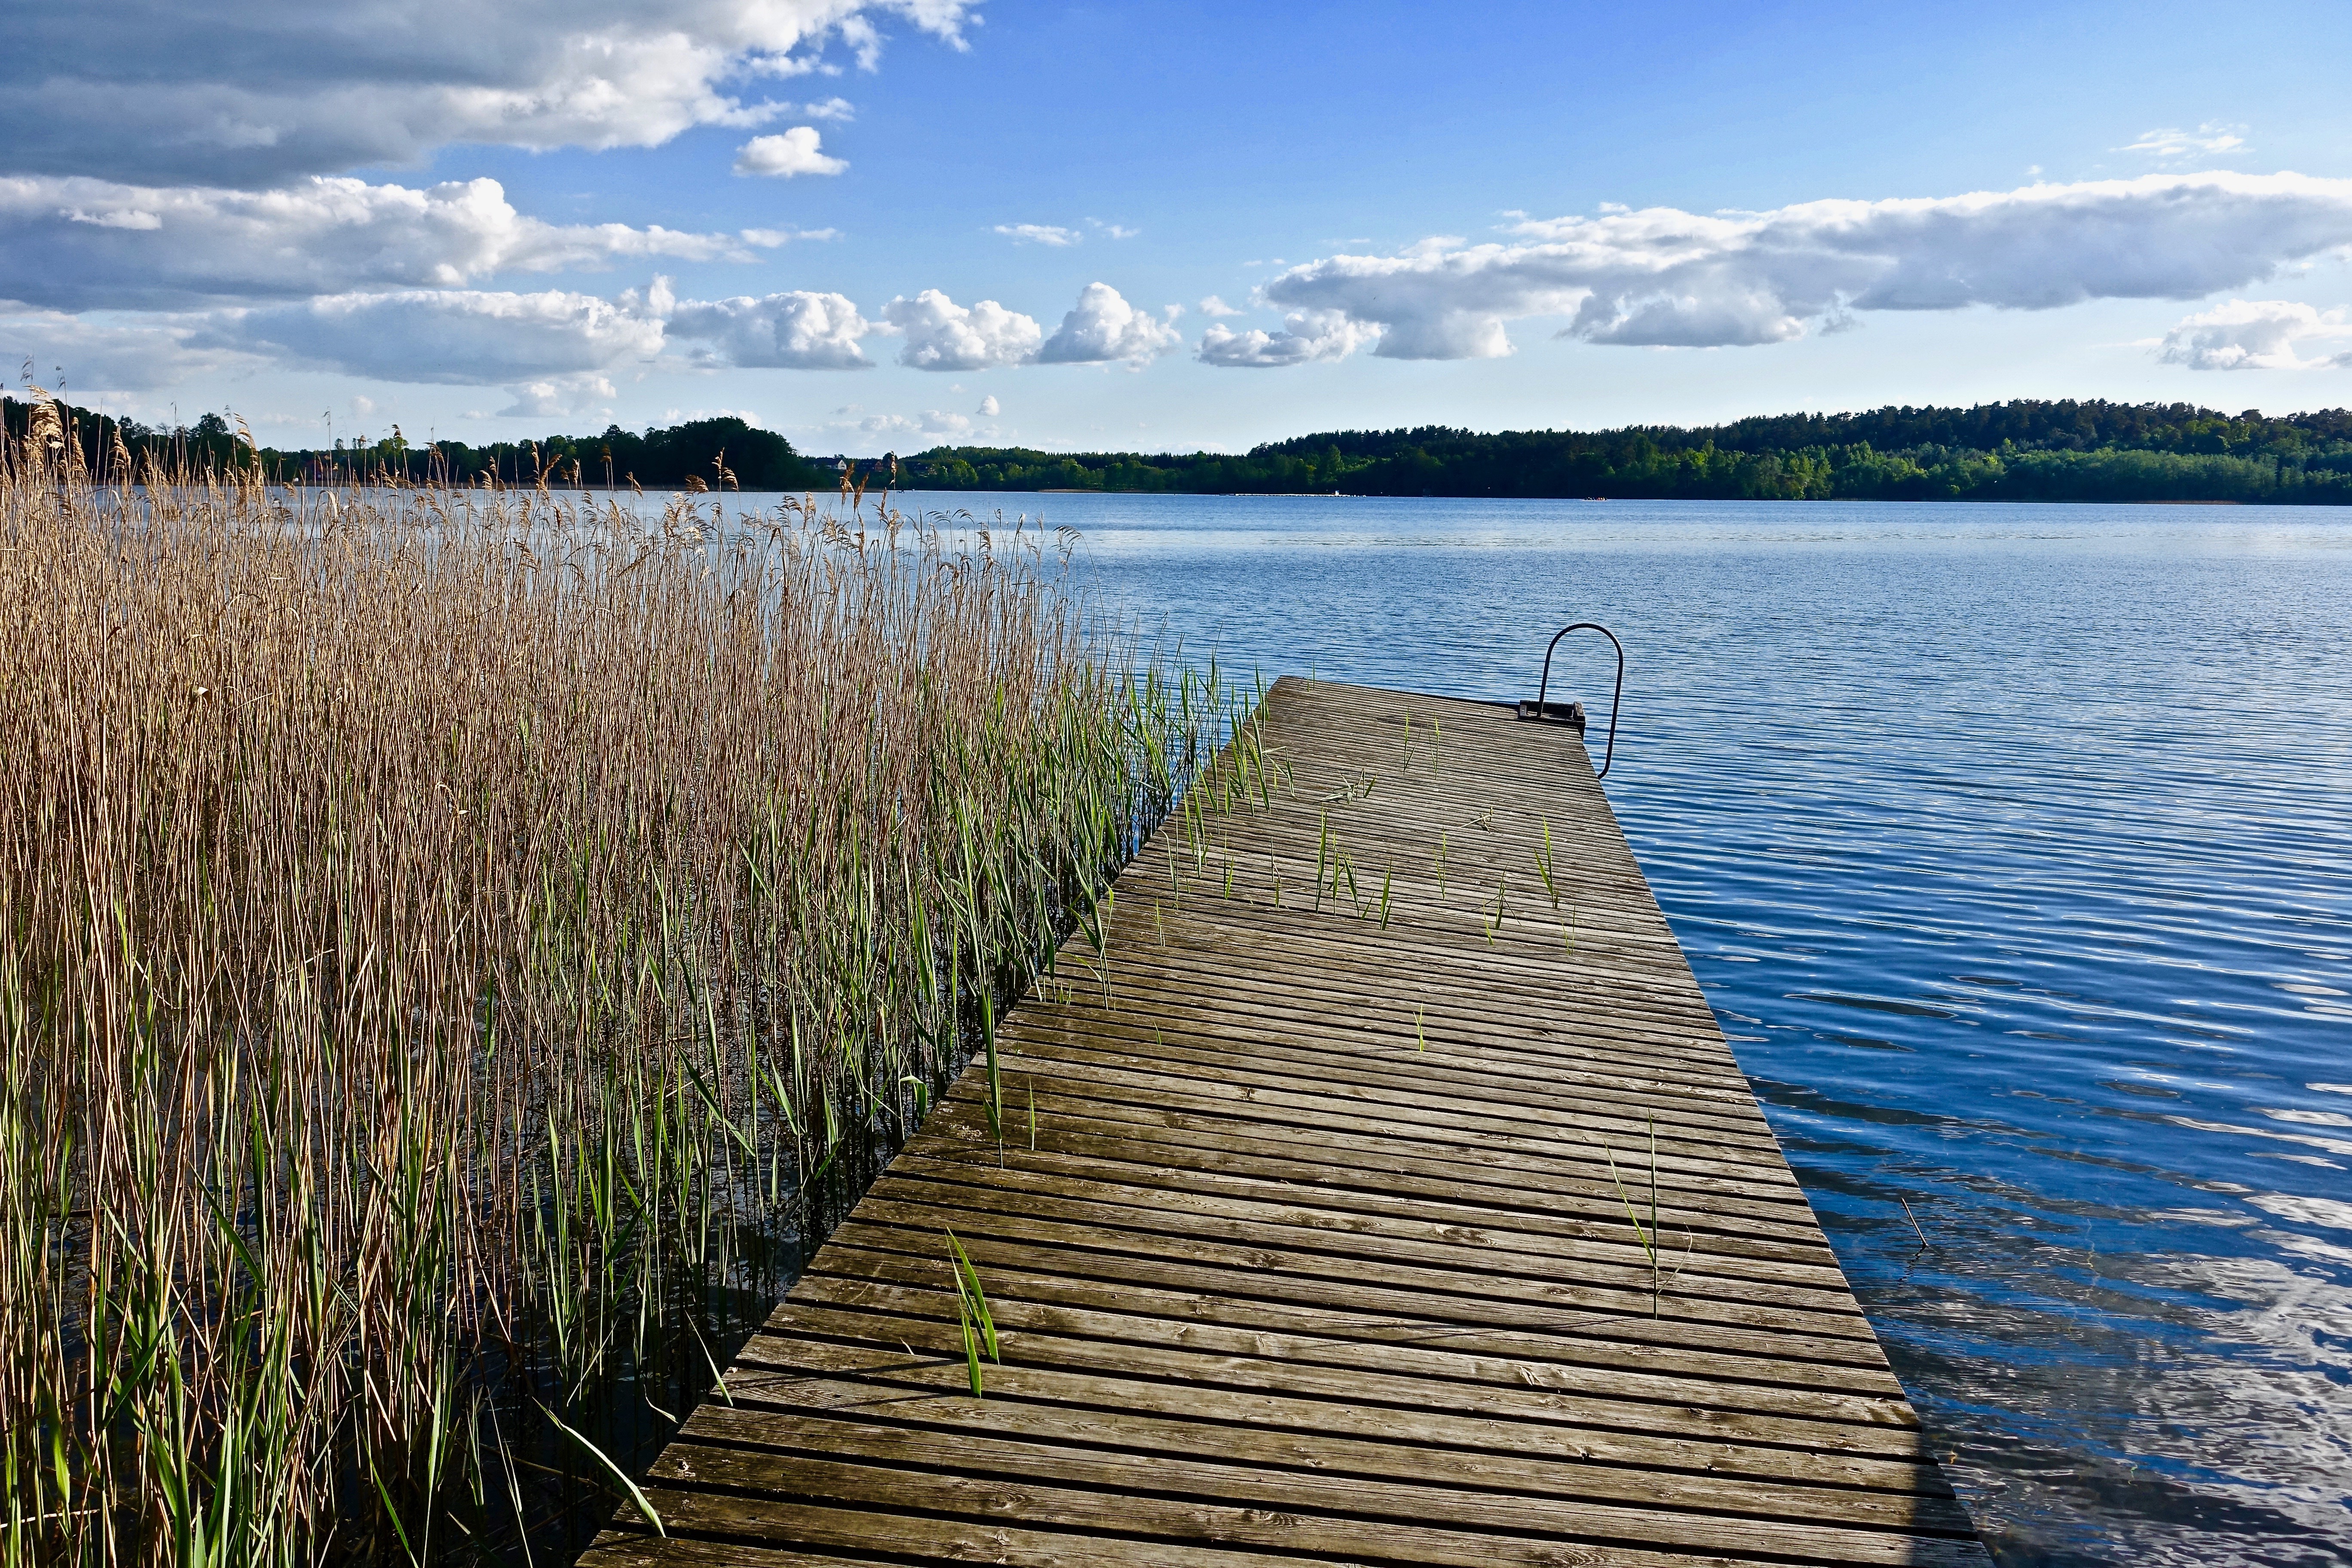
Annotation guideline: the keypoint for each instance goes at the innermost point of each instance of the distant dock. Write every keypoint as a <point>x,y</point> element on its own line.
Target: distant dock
<point>1330,1236</point>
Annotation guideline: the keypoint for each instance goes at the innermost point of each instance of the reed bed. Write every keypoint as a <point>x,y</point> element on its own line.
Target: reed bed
<point>434,924</point>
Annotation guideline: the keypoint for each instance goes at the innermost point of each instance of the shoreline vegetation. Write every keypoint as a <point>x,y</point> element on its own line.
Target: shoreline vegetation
<point>2021,450</point>
<point>459,946</point>
<point>2015,451</point>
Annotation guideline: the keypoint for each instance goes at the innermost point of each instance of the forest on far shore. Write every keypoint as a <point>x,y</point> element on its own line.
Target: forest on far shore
<point>2019,450</point>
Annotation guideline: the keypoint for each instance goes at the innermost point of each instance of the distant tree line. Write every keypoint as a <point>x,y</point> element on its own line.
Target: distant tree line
<point>2023,450</point>
<point>724,453</point>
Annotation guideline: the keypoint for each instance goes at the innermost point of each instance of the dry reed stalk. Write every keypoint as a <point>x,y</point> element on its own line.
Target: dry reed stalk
<point>426,917</point>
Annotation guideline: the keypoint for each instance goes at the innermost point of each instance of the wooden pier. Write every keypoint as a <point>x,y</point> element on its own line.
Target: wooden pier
<point>1326,1238</point>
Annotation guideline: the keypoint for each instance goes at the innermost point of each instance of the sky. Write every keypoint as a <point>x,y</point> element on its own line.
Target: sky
<point>891,227</point>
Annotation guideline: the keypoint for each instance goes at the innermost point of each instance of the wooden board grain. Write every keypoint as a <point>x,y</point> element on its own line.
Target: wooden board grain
<point>1333,1241</point>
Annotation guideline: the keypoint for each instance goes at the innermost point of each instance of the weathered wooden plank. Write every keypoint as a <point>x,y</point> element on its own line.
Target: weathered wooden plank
<point>1204,1343</point>
<point>779,1370</point>
<point>1535,1235</point>
<point>1428,1121</point>
<point>1457,1490</point>
<point>1334,1241</point>
<point>1364,1344</point>
<point>1582,1277</point>
<point>1422,1074</point>
<point>1624,1311</point>
<point>1120,1494</point>
<point>1174,1144</point>
<point>1148,1129</point>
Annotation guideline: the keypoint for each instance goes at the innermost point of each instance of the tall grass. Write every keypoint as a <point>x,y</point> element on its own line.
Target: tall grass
<point>433,923</point>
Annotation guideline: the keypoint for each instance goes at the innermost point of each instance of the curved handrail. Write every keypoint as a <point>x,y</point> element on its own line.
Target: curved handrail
<point>1615,697</point>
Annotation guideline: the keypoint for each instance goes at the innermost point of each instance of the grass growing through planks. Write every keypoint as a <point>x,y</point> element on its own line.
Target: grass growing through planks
<point>440,931</point>
<point>1646,1235</point>
<point>971,1314</point>
<point>1544,863</point>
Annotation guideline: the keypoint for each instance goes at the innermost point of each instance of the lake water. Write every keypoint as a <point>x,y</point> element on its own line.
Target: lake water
<point>2013,847</point>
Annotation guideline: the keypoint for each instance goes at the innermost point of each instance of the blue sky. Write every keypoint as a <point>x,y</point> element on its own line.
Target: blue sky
<point>1205,227</point>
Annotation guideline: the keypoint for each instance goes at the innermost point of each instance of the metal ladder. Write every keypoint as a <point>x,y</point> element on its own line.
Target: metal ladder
<point>1537,711</point>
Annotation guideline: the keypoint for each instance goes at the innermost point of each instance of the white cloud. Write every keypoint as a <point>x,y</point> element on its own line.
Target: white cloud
<point>783,156</point>
<point>1308,335</point>
<point>932,423</point>
<point>1112,230</point>
<point>674,415</point>
<point>944,335</point>
<point>557,397</point>
<point>830,109</point>
<point>558,349</point>
<point>1039,233</point>
<point>1103,327</point>
<point>1213,306</point>
<point>239,95</point>
<point>2257,334</point>
<point>463,337</point>
<point>771,238</point>
<point>1666,277</point>
<point>2207,139</point>
<point>120,217</point>
<point>84,244</point>
<point>796,330</point>
<point>103,357</point>
<point>989,407</point>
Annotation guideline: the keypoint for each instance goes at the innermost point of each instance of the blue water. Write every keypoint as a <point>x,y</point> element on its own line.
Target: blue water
<point>2013,847</point>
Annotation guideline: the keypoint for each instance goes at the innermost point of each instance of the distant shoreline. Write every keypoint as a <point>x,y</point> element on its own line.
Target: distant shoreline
<point>2022,450</point>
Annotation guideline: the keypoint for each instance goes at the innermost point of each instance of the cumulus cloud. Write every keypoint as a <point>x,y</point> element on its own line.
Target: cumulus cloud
<point>932,423</point>
<point>2207,139</point>
<point>944,335</point>
<point>1039,233</point>
<point>463,337</point>
<point>558,396</point>
<point>215,93</point>
<point>80,244</point>
<point>1307,335</point>
<point>2257,334</point>
<point>1213,306</point>
<point>102,357</point>
<point>989,407</point>
<point>795,331</point>
<point>794,151</point>
<point>555,350</point>
<point>1665,277</point>
<point>1103,327</point>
